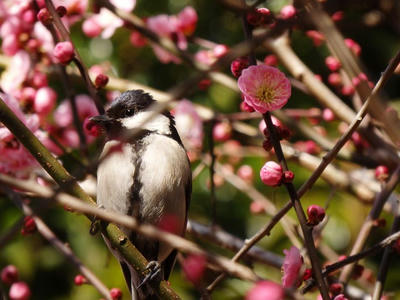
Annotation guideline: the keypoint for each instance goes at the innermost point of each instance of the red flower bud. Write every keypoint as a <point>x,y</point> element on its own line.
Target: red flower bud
<point>19,291</point>
<point>288,176</point>
<point>101,81</point>
<point>9,274</point>
<point>115,294</point>
<point>315,214</point>
<point>381,172</point>
<point>80,279</point>
<point>44,16</point>
<point>194,267</point>
<point>64,52</point>
<point>271,173</point>
<point>29,226</point>
<point>238,65</point>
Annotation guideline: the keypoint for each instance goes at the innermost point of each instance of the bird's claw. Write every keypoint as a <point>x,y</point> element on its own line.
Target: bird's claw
<point>154,271</point>
<point>95,226</point>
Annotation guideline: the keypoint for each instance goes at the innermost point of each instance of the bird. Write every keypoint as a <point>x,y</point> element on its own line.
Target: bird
<point>147,177</point>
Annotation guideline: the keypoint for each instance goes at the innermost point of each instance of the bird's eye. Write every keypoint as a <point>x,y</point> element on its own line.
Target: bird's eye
<point>129,112</point>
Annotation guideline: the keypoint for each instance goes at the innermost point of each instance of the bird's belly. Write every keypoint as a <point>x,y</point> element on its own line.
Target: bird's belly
<point>115,178</point>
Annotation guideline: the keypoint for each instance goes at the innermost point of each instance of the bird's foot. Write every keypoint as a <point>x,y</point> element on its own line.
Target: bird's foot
<point>154,273</point>
<point>95,226</point>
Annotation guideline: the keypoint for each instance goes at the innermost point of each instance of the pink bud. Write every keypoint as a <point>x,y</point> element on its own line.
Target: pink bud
<point>238,65</point>
<point>246,173</point>
<point>91,28</point>
<point>28,17</point>
<point>332,63</point>
<point>288,12</point>
<point>44,16</point>
<point>271,60</point>
<point>307,274</point>
<point>336,288</point>
<point>29,226</point>
<point>328,115</point>
<point>337,16</point>
<point>204,84</point>
<point>222,132</point>
<point>45,100</point>
<point>19,291</point>
<point>10,45</point>
<point>187,20</point>
<point>335,79</point>
<point>315,214</point>
<point>353,46</point>
<point>80,279</point>
<point>91,128</point>
<point>9,274</point>
<point>355,81</point>
<point>291,267</point>
<point>267,144</point>
<point>245,107</point>
<point>115,294</point>
<point>39,80</point>
<point>64,52</point>
<point>288,176</point>
<point>256,207</point>
<point>101,81</point>
<point>194,267</point>
<point>61,11</point>
<point>271,173</point>
<point>264,289</point>
<point>316,36</point>
<point>347,90</point>
<point>363,76</point>
<point>259,16</point>
<point>137,39</point>
<point>220,50</point>
<point>381,172</point>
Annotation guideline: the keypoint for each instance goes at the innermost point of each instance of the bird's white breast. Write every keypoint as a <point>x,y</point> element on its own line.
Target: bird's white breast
<point>115,177</point>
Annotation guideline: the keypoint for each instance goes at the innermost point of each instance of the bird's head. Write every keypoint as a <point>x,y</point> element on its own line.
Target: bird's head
<point>131,110</point>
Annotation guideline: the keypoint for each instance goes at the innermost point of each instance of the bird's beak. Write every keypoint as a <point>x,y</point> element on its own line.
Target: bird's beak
<point>101,120</point>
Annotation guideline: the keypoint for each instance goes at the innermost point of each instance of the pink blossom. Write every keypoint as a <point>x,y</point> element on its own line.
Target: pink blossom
<point>75,10</point>
<point>10,45</point>
<point>256,207</point>
<point>220,50</point>
<point>45,100</point>
<point>328,115</point>
<point>16,73</point>
<point>194,267</point>
<point>189,125</point>
<point>291,266</point>
<point>271,173</point>
<point>187,20</point>
<point>206,57</point>
<point>64,52</point>
<point>85,106</point>
<point>41,33</point>
<point>19,291</point>
<point>91,28</point>
<point>265,289</point>
<point>264,88</point>
<point>126,5</point>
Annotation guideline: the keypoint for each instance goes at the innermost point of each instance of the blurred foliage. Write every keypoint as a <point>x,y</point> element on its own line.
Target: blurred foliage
<point>51,276</point>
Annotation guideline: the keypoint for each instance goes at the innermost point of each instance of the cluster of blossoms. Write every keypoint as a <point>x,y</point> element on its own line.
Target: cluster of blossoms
<point>19,290</point>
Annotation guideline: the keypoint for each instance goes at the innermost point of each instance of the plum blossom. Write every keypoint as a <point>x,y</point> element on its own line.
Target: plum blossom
<point>189,125</point>
<point>174,28</point>
<point>75,10</point>
<point>264,88</point>
<point>16,73</point>
<point>291,267</point>
<point>265,290</point>
<point>14,158</point>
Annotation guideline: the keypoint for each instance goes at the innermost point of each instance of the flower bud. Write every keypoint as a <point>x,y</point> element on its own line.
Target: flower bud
<point>9,274</point>
<point>336,288</point>
<point>64,52</point>
<point>245,107</point>
<point>19,291</point>
<point>271,60</point>
<point>315,214</point>
<point>332,63</point>
<point>238,65</point>
<point>335,79</point>
<point>222,132</point>
<point>288,12</point>
<point>288,176</point>
<point>115,294</point>
<point>194,267</point>
<point>271,173</point>
<point>80,279</point>
<point>381,172</point>
<point>29,226</point>
<point>101,81</point>
<point>61,11</point>
<point>257,208</point>
<point>45,100</point>
<point>44,16</point>
<point>246,173</point>
<point>328,115</point>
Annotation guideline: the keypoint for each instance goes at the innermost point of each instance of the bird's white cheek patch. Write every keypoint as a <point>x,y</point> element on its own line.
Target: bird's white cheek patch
<point>148,121</point>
